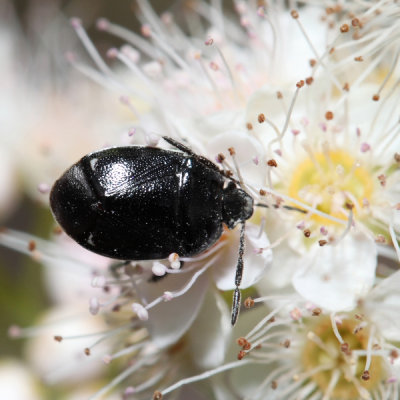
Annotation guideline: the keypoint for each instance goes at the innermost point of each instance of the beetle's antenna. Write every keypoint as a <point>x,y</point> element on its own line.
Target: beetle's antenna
<point>291,208</point>
<point>238,278</point>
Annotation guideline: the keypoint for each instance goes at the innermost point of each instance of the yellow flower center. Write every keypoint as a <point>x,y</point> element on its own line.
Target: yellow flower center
<point>329,182</point>
<point>343,365</point>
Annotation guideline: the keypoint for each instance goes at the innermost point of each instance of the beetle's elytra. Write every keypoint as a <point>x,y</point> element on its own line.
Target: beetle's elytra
<point>144,203</point>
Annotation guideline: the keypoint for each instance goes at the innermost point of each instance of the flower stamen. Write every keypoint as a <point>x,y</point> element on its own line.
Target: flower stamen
<point>205,375</point>
<point>185,289</point>
<point>89,46</point>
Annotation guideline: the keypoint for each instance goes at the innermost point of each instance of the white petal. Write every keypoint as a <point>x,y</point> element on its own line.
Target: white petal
<point>286,255</point>
<point>284,267</point>
<point>264,101</point>
<point>168,321</point>
<point>211,125</point>
<point>383,303</point>
<point>17,382</point>
<point>246,147</point>
<point>255,263</point>
<point>244,379</point>
<point>335,276</point>
<point>210,333</point>
<point>68,277</point>
<point>65,361</point>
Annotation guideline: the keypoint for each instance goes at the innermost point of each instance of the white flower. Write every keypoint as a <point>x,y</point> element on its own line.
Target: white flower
<point>298,351</point>
<point>309,146</point>
<point>336,159</point>
<point>353,190</point>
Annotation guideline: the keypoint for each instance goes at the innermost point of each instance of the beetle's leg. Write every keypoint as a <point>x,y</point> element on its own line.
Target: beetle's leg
<point>180,146</point>
<point>295,209</point>
<point>115,267</point>
<point>203,160</point>
<point>238,278</point>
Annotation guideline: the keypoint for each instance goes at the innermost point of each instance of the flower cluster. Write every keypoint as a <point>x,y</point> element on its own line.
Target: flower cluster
<point>299,105</point>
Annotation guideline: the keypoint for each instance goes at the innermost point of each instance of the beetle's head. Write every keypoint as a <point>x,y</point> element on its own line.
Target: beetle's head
<point>237,205</point>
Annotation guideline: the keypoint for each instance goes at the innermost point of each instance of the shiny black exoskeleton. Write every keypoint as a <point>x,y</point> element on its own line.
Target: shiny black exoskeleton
<point>144,203</point>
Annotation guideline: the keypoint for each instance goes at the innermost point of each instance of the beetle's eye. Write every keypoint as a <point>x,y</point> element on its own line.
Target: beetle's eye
<point>229,186</point>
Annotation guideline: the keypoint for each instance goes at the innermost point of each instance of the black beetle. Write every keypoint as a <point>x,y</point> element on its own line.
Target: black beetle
<point>144,203</point>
